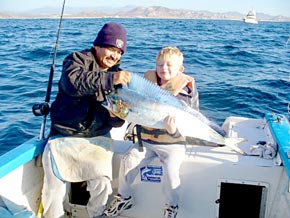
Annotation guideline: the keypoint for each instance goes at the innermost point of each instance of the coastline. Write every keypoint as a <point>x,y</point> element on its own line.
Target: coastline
<point>153,12</point>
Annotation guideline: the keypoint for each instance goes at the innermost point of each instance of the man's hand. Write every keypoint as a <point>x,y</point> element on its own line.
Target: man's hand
<point>121,77</point>
<point>170,124</point>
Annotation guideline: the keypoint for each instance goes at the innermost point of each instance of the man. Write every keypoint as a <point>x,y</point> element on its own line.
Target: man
<point>87,76</point>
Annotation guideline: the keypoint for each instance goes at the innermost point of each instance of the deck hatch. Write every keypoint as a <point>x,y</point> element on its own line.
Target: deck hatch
<point>241,199</point>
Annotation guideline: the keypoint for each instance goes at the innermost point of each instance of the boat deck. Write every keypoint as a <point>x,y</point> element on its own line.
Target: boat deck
<point>216,181</point>
<point>205,171</point>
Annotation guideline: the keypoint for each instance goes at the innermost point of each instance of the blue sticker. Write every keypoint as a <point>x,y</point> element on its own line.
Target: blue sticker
<point>151,173</point>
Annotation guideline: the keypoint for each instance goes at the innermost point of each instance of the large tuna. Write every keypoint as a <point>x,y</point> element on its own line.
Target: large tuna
<point>144,103</point>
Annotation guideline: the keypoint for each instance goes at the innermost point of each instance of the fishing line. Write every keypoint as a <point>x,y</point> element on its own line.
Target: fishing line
<point>44,108</point>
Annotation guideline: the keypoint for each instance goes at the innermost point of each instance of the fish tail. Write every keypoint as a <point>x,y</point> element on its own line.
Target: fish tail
<point>232,144</point>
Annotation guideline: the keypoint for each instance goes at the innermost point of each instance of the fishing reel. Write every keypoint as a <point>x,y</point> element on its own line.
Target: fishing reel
<point>41,109</point>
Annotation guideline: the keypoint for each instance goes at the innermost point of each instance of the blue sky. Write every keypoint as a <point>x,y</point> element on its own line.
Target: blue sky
<point>272,7</point>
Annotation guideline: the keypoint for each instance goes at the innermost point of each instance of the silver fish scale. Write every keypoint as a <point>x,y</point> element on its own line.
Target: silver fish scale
<point>147,88</point>
<point>142,102</point>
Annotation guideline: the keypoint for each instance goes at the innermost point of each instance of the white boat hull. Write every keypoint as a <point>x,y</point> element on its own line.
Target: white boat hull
<point>251,21</point>
<point>212,178</point>
<point>23,185</point>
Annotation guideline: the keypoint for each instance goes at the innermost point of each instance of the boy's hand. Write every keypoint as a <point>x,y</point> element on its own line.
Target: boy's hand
<point>170,124</point>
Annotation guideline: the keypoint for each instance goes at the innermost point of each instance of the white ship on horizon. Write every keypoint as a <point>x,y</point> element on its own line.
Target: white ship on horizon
<point>251,17</point>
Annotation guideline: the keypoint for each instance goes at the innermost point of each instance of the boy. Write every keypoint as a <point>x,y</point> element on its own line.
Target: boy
<point>166,144</point>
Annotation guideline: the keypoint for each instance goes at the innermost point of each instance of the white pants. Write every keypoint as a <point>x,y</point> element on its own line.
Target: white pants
<point>54,191</point>
<point>171,157</point>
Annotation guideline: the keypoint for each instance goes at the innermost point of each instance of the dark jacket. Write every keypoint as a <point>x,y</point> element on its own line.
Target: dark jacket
<point>77,109</point>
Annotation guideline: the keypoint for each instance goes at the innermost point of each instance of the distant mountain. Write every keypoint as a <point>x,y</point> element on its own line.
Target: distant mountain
<point>137,12</point>
<point>163,12</point>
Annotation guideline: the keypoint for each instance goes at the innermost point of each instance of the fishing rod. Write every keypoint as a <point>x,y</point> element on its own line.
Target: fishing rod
<point>43,109</point>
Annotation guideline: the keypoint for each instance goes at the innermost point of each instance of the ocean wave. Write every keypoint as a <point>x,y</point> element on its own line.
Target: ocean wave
<point>240,70</point>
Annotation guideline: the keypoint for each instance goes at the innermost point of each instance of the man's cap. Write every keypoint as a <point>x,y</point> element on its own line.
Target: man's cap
<point>112,34</point>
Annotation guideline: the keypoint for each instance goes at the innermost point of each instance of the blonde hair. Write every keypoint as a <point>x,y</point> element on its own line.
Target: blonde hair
<point>169,52</point>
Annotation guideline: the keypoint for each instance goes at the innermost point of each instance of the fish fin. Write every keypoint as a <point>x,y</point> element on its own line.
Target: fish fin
<point>146,86</point>
<point>107,106</point>
<point>232,144</point>
<point>110,106</point>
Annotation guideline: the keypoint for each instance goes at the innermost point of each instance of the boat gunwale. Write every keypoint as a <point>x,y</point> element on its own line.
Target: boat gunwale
<point>20,155</point>
<point>279,126</point>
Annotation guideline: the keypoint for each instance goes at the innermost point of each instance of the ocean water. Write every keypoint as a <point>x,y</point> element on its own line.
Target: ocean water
<point>240,69</point>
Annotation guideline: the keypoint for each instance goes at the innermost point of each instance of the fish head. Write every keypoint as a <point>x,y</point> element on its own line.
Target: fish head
<point>116,105</point>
